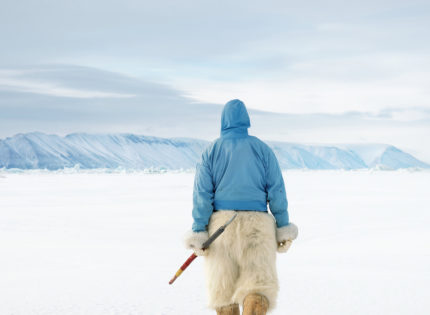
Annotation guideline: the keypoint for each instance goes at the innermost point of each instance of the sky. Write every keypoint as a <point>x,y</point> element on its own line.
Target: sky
<point>68,61</point>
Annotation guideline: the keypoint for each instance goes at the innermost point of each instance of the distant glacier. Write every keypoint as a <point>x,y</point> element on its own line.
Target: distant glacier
<point>110,151</point>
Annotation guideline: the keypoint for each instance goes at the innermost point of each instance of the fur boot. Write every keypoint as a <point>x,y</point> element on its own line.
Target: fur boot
<point>255,304</point>
<point>232,309</point>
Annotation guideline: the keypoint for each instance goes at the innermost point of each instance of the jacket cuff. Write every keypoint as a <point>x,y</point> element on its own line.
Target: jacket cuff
<point>282,220</point>
<point>198,227</point>
<point>195,240</point>
<point>287,233</point>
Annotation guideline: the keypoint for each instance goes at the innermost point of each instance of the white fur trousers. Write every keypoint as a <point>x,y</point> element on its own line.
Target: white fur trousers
<point>243,259</point>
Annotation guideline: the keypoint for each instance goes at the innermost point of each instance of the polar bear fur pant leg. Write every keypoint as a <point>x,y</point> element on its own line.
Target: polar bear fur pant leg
<point>242,260</point>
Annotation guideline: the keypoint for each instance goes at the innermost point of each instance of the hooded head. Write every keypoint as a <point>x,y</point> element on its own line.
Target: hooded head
<point>234,119</point>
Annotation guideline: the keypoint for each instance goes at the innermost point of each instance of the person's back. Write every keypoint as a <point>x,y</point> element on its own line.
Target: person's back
<point>238,169</point>
<point>239,174</point>
<point>241,170</point>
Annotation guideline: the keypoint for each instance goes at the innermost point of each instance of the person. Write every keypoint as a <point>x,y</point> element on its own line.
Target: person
<point>240,174</point>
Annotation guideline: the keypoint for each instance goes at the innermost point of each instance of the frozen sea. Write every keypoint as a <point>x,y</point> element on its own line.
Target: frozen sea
<point>108,243</point>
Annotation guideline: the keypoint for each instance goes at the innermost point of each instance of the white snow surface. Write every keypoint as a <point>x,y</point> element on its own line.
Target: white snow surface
<point>99,243</point>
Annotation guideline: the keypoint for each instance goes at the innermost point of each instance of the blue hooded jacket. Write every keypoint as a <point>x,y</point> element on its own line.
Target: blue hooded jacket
<point>238,172</point>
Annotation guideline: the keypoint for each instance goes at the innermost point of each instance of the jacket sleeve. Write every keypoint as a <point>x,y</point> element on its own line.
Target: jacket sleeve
<point>203,196</point>
<point>275,188</point>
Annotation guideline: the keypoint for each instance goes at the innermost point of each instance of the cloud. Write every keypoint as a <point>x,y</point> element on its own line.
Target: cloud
<point>162,111</point>
<point>406,114</point>
<point>64,100</point>
<point>182,32</point>
<point>314,94</point>
<point>284,56</point>
<point>362,66</point>
<point>46,88</point>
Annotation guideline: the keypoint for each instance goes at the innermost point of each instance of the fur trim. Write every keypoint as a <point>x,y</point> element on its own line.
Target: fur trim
<point>195,240</point>
<point>287,233</point>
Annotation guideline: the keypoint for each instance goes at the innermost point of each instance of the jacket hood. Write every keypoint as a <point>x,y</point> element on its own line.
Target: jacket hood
<point>235,118</point>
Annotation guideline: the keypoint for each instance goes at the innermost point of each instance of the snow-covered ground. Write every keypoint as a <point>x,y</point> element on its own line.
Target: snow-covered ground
<point>98,243</point>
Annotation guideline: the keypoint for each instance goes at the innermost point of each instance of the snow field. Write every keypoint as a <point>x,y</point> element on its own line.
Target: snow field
<point>96,243</point>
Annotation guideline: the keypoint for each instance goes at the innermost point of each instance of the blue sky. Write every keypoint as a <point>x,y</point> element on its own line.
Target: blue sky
<point>301,58</point>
